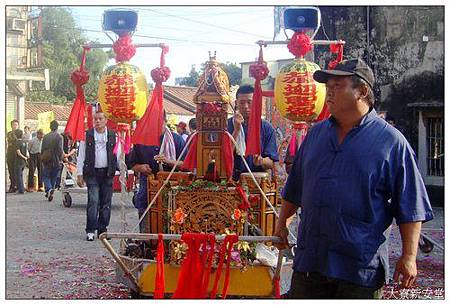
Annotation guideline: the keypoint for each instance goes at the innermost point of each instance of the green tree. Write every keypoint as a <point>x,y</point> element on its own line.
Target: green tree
<point>191,80</point>
<point>62,51</point>
<point>234,73</point>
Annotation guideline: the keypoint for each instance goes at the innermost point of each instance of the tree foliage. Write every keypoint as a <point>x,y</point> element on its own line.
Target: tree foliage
<point>233,71</point>
<point>62,51</point>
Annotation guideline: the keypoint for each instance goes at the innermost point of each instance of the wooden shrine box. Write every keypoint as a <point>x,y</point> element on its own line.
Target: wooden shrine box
<point>156,220</point>
<point>265,216</point>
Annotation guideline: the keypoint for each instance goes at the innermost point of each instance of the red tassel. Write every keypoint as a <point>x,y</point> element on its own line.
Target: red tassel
<point>227,246</point>
<point>293,143</point>
<point>75,123</point>
<point>159,278</point>
<point>149,127</point>
<point>254,127</point>
<point>191,281</point>
<point>276,286</point>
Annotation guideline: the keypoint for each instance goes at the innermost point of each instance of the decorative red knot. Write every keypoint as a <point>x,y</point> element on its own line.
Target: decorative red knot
<point>160,75</point>
<point>300,44</point>
<point>124,48</point>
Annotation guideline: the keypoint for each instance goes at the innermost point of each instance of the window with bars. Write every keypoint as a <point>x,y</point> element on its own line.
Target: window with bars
<point>435,145</point>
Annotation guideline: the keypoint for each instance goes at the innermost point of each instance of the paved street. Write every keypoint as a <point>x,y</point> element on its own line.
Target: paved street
<point>48,256</point>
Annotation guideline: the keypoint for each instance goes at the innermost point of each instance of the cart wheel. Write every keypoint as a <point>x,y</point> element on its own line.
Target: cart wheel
<point>67,200</point>
<point>425,245</point>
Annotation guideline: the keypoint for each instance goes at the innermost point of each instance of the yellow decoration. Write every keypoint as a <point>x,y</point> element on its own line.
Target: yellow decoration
<point>44,119</point>
<point>122,93</point>
<point>298,97</point>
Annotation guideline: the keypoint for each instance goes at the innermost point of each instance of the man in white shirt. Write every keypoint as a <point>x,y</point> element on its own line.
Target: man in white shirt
<point>96,166</point>
<point>34,149</point>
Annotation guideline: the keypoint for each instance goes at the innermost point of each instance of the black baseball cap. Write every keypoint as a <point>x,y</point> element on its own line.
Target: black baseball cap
<point>347,67</point>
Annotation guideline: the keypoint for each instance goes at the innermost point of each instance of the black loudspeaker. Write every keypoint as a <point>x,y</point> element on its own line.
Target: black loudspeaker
<point>298,19</point>
<point>120,21</point>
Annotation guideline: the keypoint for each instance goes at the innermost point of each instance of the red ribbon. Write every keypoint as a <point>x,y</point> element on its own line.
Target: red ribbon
<point>75,123</point>
<point>300,44</point>
<point>227,246</point>
<point>245,204</point>
<point>149,127</point>
<point>123,139</point>
<point>194,275</point>
<point>276,284</point>
<point>295,143</point>
<point>124,48</point>
<point>159,277</point>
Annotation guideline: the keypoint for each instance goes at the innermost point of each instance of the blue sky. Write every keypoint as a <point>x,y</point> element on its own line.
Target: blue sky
<point>190,32</point>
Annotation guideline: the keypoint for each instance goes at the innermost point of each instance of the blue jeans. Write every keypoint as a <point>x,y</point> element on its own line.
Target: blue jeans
<point>49,176</point>
<point>99,201</point>
<point>19,178</point>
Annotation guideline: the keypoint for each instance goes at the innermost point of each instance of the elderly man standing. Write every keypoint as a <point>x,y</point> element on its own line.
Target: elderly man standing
<point>34,162</point>
<point>353,174</point>
<point>96,166</point>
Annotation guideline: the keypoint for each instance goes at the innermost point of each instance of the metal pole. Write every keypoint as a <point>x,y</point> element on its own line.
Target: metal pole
<point>108,45</point>
<point>314,42</point>
<point>145,236</point>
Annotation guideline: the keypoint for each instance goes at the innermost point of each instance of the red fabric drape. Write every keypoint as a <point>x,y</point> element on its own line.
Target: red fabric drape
<point>75,124</point>
<point>227,155</point>
<point>159,278</point>
<point>194,272</point>
<point>149,127</point>
<point>190,161</point>
<point>276,284</point>
<point>226,248</point>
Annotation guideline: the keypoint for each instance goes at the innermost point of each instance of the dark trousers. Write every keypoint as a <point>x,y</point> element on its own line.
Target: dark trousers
<point>49,175</point>
<point>10,160</point>
<point>312,285</point>
<point>34,163</point>
<point>99,201</point>
<point>19,177</point>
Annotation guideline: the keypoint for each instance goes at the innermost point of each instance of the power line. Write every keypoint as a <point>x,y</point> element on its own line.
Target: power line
<point>170,38</point>
<point>208,24</point>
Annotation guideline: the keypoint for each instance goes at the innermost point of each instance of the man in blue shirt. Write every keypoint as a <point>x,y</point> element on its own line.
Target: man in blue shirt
<point>353,174</point>
<point>269,152</point>
<point>146,160</point>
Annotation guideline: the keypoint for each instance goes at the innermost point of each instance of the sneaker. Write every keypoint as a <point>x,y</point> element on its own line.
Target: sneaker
<point>50,195</point>
<point>90,236</point>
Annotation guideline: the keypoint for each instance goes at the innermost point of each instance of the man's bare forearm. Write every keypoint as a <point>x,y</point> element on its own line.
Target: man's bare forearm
<point>287,210</point>
<point>410,233</point>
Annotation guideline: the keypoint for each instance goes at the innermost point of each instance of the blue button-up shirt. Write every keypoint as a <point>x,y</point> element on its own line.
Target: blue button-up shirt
<point>143,154</point>
<point>268,148</point>
<point>349,194</point>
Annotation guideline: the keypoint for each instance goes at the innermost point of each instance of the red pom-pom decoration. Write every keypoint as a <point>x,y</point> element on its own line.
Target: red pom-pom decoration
<point>124,48</point>
<point>259,71</point>
<point>300,44</point>
<point>79,77</point>
<point>160,75</point>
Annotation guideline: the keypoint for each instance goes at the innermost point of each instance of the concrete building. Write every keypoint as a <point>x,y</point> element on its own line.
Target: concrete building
<point>23,59</point>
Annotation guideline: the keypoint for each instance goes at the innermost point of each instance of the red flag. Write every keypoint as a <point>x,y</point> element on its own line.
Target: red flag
<point>75,124</point>
<point>254,127</point>
<point>148,128</point>
<point>190,161</point>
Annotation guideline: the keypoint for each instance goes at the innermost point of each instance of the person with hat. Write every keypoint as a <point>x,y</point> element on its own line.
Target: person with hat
<point>352,175</point>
